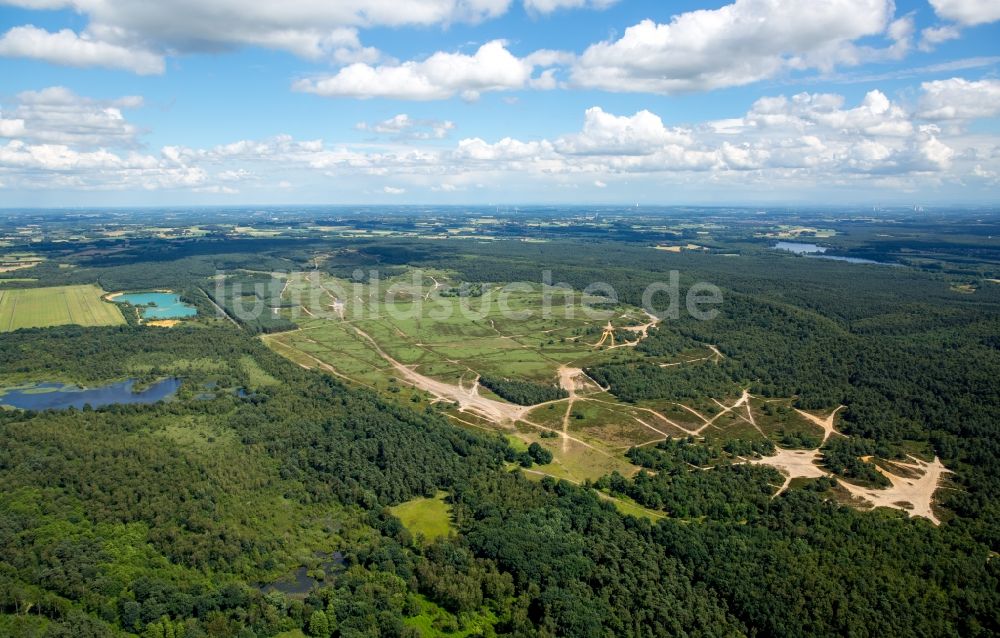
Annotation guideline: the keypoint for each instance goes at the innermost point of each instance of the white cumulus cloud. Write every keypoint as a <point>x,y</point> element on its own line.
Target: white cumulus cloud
<point>967,12</point>
<point>933,36</point>
<point>607,134</point>
<point>402,126</point>
<point>806,140</point>
<point>740,43</point>
<point>959,99</point>
<point>443,75</point>
<point>548,6</point>
<point>68,48</point>
<point>57,115</point>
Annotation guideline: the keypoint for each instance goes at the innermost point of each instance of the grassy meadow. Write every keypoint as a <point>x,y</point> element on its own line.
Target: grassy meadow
<point>429,517</point>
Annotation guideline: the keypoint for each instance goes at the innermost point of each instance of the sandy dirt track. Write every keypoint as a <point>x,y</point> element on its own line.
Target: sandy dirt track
<point>468,400</point>
<point>826,423</point>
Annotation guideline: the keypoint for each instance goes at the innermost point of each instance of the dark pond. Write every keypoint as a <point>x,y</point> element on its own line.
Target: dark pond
<point>59,396</point>
<point>300,583</point>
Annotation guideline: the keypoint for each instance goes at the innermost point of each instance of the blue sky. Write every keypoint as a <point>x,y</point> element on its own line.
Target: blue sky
<point>126,102</point>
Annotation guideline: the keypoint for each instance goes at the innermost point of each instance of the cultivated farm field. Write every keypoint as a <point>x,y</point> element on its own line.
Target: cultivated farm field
<point>56,306</point>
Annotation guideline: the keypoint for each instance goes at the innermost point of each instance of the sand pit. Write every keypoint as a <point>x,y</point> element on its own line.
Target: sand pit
<point>573,380</point>
<point>640,331</point>
<point>794,464</point>
<point>912,495</point>
<point>162,323</point>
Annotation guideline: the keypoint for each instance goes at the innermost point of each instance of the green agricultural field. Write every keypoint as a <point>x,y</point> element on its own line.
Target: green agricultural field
<point>56,306</point>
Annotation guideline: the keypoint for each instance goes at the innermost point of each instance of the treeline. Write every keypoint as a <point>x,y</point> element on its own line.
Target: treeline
<point>724,492</point>
<point>845,457</point>
<point>522,392</point>
<point>252,300</point>
<point>639,380</point>
<point>738,562</point>
<point>683,453</point>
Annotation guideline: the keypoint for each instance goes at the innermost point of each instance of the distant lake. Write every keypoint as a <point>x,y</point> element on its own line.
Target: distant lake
<point>799,248</point>
<point>158,305</point>
<point>814,250</point>
<point>59,396</point>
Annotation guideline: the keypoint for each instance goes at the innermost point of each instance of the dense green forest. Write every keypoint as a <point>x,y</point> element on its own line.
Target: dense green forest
<point>522,392</point>
<point>174,519</point>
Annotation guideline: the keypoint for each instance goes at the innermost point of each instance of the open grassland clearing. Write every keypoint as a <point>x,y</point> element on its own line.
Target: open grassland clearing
<point>56,306</point>
<point>428,517</point>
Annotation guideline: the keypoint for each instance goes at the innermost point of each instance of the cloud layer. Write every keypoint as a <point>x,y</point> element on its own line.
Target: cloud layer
<point>736,44</point>
<point>55,138</point>
<point>136,35</point>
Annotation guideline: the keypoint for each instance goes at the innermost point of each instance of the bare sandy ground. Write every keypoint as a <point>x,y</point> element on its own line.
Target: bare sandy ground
<point>437,285</point>
<point>574,380</point>
<point>570,380</point>
<point>468,400</point>
<point>337,305</point>
<point>825,423</point>
<point>641,332</point>
<point>794,464</point>
<point>912,495</point>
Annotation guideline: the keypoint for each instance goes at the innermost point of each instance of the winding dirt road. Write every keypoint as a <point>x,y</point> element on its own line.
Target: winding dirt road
<point>468,400</point>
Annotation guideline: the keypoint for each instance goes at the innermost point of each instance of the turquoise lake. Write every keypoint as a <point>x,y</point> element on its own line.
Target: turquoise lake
<point>59,396</point>
<point>158,305</point>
